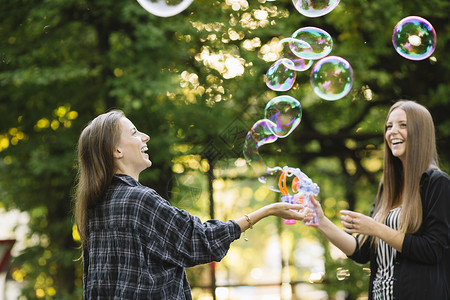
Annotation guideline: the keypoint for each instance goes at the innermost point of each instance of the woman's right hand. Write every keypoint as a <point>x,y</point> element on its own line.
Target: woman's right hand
<point>318,208</point>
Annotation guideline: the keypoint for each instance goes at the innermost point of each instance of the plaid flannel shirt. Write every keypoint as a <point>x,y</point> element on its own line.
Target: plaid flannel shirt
<point>139,245</point>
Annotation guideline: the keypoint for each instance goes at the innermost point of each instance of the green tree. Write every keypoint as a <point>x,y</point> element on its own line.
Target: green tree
<point>195,83</point>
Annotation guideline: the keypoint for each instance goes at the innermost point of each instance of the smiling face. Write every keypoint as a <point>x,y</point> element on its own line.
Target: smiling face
<point>130,154</point>
<point>397,133</point>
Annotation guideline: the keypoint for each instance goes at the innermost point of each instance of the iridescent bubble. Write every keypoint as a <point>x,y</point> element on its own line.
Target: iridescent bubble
<point>261,133</point>
<point>414,38</point>
<point>319,40</point>
<point>165,8</point>
<point>315,8</point>
<point>285,112</point>
<point>281,76</point>
<point>285,51</point>
<point>282,116</point>
<point>332,78</point>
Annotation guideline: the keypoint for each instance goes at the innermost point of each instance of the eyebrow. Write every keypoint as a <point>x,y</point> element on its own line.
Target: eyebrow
<point>403,120</point>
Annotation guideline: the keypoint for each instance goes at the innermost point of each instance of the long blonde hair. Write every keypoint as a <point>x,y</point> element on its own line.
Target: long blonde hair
<point>400,183</point>
<point>95,165</point>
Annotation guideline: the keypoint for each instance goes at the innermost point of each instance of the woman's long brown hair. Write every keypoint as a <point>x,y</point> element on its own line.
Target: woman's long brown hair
<point>95,165</point>
<point>400,184</point>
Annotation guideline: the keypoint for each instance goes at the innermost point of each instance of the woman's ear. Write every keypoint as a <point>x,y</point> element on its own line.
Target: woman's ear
<point>117,153</point>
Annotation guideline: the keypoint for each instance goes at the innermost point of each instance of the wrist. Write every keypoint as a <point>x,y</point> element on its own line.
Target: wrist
<point>268,210</point>
<point>324,223</point>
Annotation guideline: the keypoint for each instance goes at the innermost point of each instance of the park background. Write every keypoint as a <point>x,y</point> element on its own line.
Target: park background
<point>195,83</point>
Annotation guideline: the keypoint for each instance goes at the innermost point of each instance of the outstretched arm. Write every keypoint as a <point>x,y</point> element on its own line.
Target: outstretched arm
<point>345,242</point>
<point>280,209</point>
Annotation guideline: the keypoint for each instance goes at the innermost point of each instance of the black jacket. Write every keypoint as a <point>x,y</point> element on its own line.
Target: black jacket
<point>422,269</point>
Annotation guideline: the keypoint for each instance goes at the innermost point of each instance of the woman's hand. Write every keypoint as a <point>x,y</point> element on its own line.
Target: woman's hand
<point>318,208</point>
<point>290,211</point>
<point>358,223</point>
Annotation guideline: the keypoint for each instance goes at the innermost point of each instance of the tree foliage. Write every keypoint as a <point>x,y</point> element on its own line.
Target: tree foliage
<point>195,83</point>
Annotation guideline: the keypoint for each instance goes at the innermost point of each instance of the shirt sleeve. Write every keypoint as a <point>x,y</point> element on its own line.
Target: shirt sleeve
<point>429,243</point>
<point>177,237</point>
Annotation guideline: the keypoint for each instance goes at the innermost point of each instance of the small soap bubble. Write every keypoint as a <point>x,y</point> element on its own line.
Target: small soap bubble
<point>261,133</point>
<point>318,39</point>
<point>332,78</point>
<point>342,274</point>
<point>281,76</point>
<point>285,112</point>
<point>165,8</point>
<point>285,51</point>
<point>315,8</point>
<point>366,272</point>
<point>414,38</point>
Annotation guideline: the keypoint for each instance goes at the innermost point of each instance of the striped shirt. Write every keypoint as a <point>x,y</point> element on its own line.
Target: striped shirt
<point>139,245</point>
<point>383,283</point>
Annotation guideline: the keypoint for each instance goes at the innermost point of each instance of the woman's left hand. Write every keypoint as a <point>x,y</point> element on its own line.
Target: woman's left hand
<point>290,211</point>
<point>358,223</point>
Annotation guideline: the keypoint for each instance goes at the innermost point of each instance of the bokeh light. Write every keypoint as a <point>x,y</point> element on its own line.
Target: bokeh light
<point>319,40</point>
<point>414,38</point>
<point>165,8</point>
<point>332,78</point>
<point>315,8</point>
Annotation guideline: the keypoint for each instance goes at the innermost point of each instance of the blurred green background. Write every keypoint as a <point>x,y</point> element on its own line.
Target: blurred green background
<point>195,83</point>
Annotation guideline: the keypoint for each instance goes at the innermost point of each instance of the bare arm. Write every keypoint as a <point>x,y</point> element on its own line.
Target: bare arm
<point>345,242</point>
<point>280,209</point>
<point>358,223</point>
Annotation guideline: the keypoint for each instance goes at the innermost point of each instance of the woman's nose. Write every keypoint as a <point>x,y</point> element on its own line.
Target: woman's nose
<point>145,137</point>
<point>394,128</point>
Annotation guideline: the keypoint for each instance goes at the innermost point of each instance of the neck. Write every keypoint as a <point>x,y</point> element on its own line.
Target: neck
<point>125,172</point>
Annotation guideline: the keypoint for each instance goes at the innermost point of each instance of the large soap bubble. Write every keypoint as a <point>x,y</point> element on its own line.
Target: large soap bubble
<point>285,112</point>
<point>165,8</point>
<point>332,78</point>
<point>285,47</point>
<point>281,76</point>
<point>319,40</point>
<point>315,8</point>
<point>414,38</point>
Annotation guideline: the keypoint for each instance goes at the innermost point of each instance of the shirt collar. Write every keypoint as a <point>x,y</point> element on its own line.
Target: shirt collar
<point>127,179</point>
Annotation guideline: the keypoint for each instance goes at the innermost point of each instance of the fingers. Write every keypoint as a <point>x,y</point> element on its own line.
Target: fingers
<point>314,201</point>
<point>352,221</point>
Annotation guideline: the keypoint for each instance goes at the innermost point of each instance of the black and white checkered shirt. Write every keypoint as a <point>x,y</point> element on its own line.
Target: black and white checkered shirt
<point>139,245</point>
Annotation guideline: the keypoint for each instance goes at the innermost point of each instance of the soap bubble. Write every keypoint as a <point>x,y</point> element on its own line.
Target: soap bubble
<point>319,40</point>
<point>342,274</point>
<point>285,51</point>
<point>165,8</point>
<point>315,8</point>
<point>261,133</point>
<point>282,116</point>
<point>414,38</point>
<point>332,78</point>
<point>285,112</point>
<point>281,76</point>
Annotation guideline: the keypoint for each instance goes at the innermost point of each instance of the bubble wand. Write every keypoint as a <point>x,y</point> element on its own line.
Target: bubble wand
<point>302,186</point>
